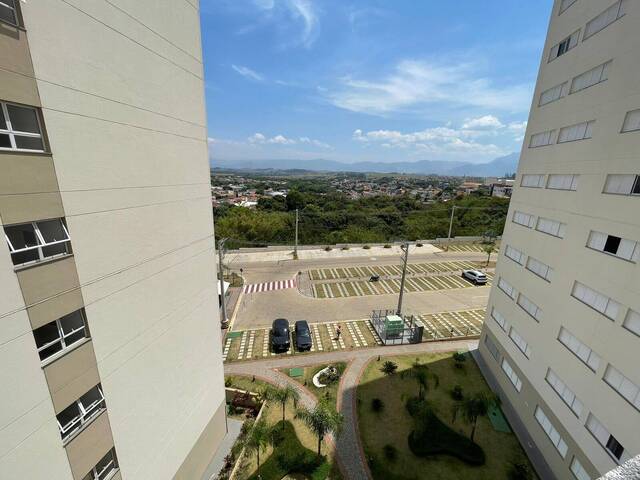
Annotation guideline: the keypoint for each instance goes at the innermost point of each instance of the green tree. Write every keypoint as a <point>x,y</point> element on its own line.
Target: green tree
<point>389,367</point>
<point>257,439</point>
<point>475,407</point>
<point>282,395</point>
<point>489,248</point>
<point>321,420</point>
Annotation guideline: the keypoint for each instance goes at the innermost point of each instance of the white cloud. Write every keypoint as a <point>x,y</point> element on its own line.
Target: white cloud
<point>260,139</point>
<point>314,142</point>
<point>281,140</point>
<point>415,84</point>
<point>302,12</point>
<point>484,122</point>
<point>248,73</point>
<point>257,138</point>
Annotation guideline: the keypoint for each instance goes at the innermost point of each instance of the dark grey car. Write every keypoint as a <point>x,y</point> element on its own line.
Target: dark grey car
<point>280,340</point>
<point>303,336</point>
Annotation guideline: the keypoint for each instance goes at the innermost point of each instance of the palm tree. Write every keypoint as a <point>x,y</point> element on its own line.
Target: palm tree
<point>257,439</point>
<point>322,419</point>
<point>489,248</point>
<point>422,378</point>
<point>282,395</point>
<point>476,407</point>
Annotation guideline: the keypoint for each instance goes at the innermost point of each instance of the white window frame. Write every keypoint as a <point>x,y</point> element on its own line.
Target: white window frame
<point>13,133</point>
<point>596,238</point>
<point>553,94</point>
<point>520,342</point>
<point>564,392</point>
<point>532,180</point>
<point>592,360</point>
<point>492,347</point>
<point>42,243</point>
<point>531,219</point>
<point>11,5</point>
<point>86,415</point>
<point>614,12</point>
<point>596,75</point>
<point>635,182</point>
<point>573,40</point>
<point>548,135</point>
<point>507,288</point>
<point>625,128</point>
<point>511,374</point>
<point>110,468</point>
<point>559,227</point>
<point>499,318</point>
<point>598,436</point>
<point>541,269</point>
<point>595,300</point>
<point>587,134</point>
<point>514,254</point>
<point>632,322</point>
<point>529,306</point>
<point>625,387</point>
<point>578,470</point>
<point>551,431</point>
<point>62,337</point>
<point>572,185</point>
<point>564,5</point>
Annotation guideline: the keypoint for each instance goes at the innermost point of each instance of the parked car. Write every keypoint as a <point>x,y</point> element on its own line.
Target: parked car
<point>475,276</point>
<point>280,340</point>
<point>303,336</point>
<point>374,278</point>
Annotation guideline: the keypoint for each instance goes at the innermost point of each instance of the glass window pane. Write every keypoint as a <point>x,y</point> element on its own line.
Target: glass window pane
<point>5,141</point>
<point>91,397</point>
<point>53,250</point>
<point>23,119</point>
<point>72,322</point>
<point>25,257</point>
<point>3,122</point>
<point>52,230</point>
<point>8,15</point>
<point>67,416</point>
<point>29,143</point>
<point>21,236</point>
<point>46,334</point>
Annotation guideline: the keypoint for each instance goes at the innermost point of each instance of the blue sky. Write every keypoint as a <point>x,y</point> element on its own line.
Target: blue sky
<point>355,80</point>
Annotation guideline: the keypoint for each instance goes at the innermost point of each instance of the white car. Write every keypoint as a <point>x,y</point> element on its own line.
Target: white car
<point>475,276</point>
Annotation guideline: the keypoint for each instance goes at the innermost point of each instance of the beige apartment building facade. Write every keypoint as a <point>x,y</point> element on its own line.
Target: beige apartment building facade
<point>562,334</point>
<point>109,331</point>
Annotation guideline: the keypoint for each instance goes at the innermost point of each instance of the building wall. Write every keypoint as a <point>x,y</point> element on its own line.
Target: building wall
<point>583,210</point>
<point>121,88</point>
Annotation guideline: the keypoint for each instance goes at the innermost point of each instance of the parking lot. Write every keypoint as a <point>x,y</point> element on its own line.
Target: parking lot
<point>465,247</point>
<point>254,344</point>
<point>367,271</point>
<point>359,288</point>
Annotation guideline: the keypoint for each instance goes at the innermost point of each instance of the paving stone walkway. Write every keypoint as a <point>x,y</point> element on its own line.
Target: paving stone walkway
<point>348,447</point>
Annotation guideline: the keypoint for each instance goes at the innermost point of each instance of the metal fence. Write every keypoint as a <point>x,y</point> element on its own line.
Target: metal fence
<point>391,334</point>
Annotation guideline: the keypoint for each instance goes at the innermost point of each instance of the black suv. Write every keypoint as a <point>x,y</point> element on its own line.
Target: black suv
<point>280,341</point>
<point>303,336</point>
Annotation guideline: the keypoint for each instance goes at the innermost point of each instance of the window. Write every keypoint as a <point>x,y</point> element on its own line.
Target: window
<point>105,467</point>
<point>621,384</point>
<point>36,241</point>
<point>523,219</point>
<point>513,376</point>
<point>578,470</point>
<point>499,318</point>
<point>590,78</point>
<point>551,432</point>
<point>623,184</point>
<point>553,94</point>
<point>620,247</point>
<point>506,288</point>
<point>584,353</point>
<point>596,300</point>
<point>493,350</point>
<point>563,182</point>
<point>605,19</point>
<point>81,412</point>
<point>20,127</point>
<point>564,46</point>
<point>534,181</point>
<point>632,322</point>
<point>515,254</point>
<point>60,334</point>
<point>552,227</point>
<point>564,392</point>
<point>631,121</point>
<point>539,268</point>
<point>520,342</point>
<point>608,441</point>
<point>8,12</point>
<point>529,307</point>
<point>579,131</point>
<point>565,4</point>
<point>542,139</point>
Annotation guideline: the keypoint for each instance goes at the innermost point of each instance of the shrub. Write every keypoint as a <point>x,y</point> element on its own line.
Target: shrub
<point>456,393</point>
<point>519,471</point>
<point>328,248</point>
<point>228,382</point>
<point>377,405</point>
<point>386,245</point>
<point>390,452</point>
<point>366,247</point>
<point>389,367</point>
<point>419,245</point>
<point>459,358</point>
<point>346,247</point>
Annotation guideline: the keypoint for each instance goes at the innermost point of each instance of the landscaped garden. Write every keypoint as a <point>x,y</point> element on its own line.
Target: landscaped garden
<point>432,416</point>
<point>291,448</point>
<point>330,378</point>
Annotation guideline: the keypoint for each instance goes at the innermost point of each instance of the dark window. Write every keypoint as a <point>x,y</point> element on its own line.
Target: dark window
<point>8,12</point>
<point>612,244</point>
<point>563,47</point>
<point>614,447</point>
<point>636,187</point>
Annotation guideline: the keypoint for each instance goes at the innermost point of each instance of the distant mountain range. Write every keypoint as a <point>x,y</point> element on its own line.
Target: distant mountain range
<point>495,168</point>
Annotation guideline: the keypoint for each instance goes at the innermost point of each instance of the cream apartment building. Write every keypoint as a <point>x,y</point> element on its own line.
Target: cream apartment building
<point>110,361</point>
<point>562,334</point>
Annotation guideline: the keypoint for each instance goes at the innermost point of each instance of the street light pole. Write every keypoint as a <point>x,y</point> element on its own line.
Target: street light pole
<point>223,304</point>
<point>405,248</point>
<point>453,210</point>
<point>295,249</point>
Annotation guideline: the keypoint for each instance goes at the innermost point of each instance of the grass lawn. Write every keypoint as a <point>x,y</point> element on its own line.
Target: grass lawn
<point>330,392</point>
<point>305,438</point>
<point>393,424</point>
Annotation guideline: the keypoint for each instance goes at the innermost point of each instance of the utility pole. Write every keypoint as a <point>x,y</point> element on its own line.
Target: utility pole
<point>295,249</point>
<point>223,304</point>
<point>453,210</point>
<point>405,248</point>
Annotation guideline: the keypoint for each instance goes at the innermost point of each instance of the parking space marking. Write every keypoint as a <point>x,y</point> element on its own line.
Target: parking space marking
<point>316,333</point>
<point>363,340</point>
<point>227,346</point>
<point>356,341</point>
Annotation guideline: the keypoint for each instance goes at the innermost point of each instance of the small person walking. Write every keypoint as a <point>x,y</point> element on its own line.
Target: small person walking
<point>338,332</point>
